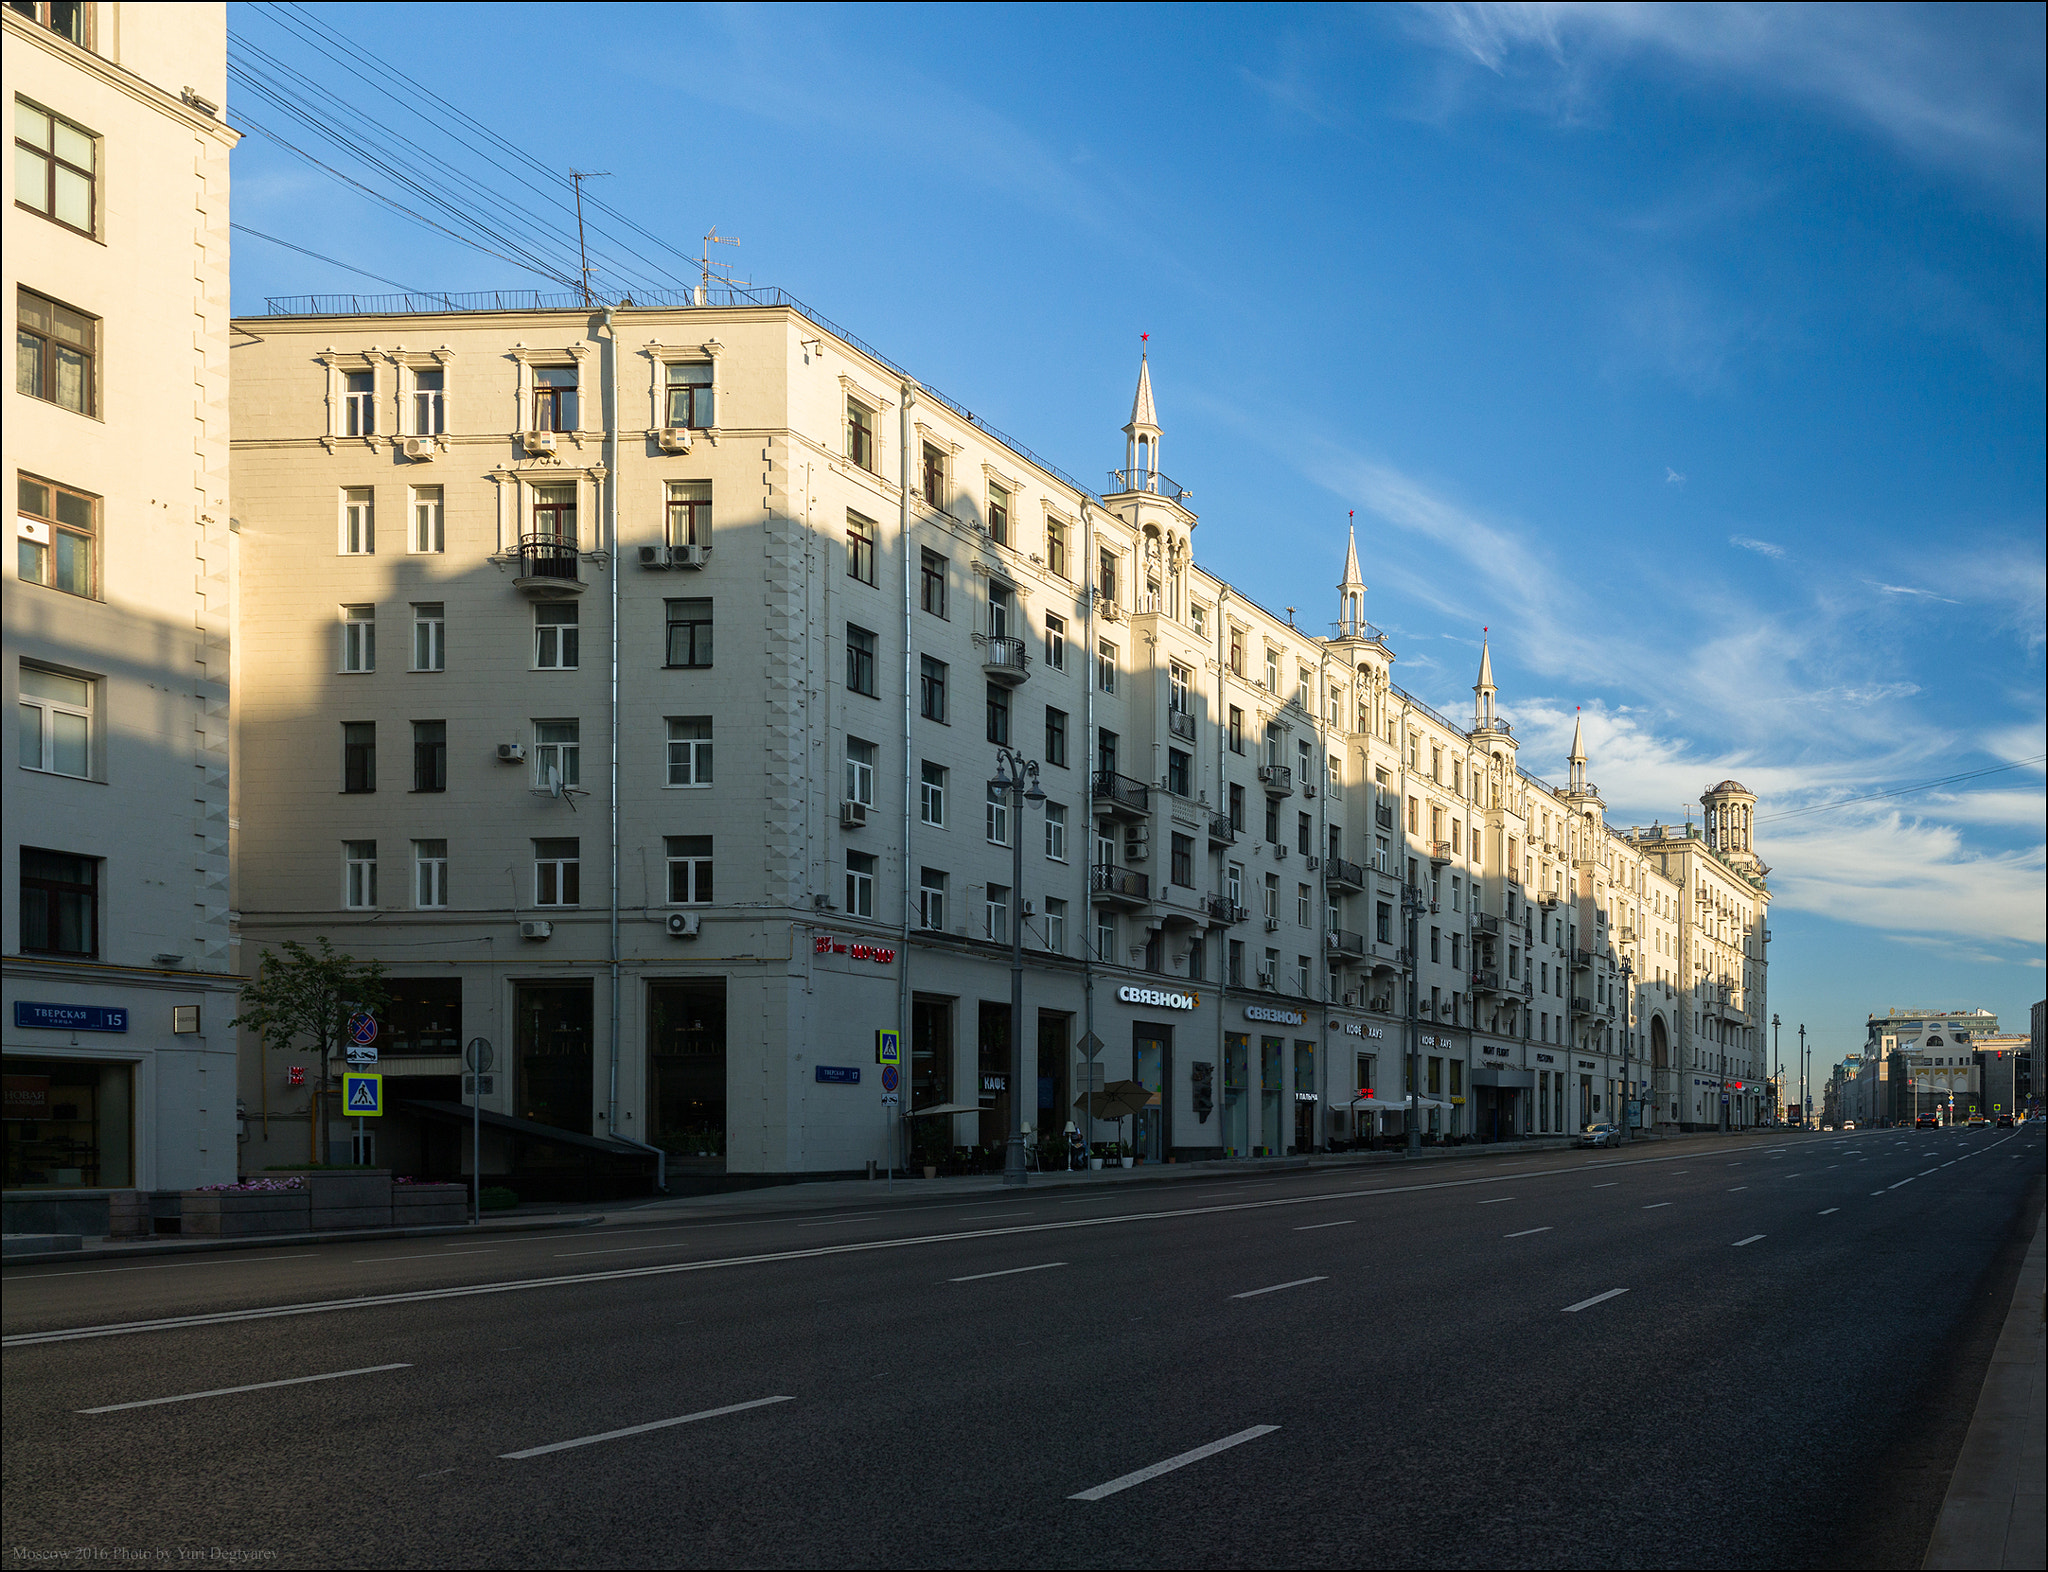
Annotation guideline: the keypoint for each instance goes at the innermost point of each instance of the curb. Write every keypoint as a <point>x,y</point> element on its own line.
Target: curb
<point>268,1241</point>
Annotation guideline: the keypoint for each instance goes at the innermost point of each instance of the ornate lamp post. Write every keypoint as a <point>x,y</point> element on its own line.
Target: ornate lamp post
<point>1013,771</point>
<point>1777,1076</point>
<point>1628,1014</point>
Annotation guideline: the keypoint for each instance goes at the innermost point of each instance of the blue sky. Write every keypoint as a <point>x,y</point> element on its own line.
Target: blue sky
<point>1697,351</point>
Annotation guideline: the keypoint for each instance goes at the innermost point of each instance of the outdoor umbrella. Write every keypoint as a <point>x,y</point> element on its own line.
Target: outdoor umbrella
<point>1119,1100</point>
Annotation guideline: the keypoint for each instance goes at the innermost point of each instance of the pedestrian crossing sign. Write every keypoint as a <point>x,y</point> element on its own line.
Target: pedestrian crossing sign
<point>362,1096</point>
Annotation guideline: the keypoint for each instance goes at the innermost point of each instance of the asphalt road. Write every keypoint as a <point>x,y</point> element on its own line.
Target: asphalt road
<point>1743,1352</point>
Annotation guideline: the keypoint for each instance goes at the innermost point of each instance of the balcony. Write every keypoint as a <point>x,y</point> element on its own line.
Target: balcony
<point>1342,875</point>
<point>1120,795</point>
<point>1383,815</point>
<point>1149,480</point>
<point>1583,1007</point>
<point>1004,661</point>
<point>1181,724</point>
<point>549,567</point>
<point>1486,982</point>
<point>1486,925</point>
<point>1222,911</point>
<point>1582,960</point>
<point>1439,852</point>
<point>1278,780</point>
<point>1118,886</point>
<point>1221,831</point>
<point>1346,945</point>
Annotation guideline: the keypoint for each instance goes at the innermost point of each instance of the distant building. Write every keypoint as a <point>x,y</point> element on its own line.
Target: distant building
<point>1920,1062</point>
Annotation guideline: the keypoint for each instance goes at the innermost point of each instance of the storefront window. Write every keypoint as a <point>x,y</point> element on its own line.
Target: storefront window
<point>686,1067</point>
<point>422,1015</point>
<point>69,1125</point>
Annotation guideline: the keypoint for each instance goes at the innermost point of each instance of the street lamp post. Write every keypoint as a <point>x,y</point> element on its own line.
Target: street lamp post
<point>1804,1110</point>
<point>1777,1075</point>
<point>1628,1101</point>
<point>1412,904</point>
<point>1013,770</point>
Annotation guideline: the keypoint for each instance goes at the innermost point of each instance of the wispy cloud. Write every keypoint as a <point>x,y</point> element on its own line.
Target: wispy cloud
<point>1672,477</point>
<point>1763,548</point>
<point>1908,589</point>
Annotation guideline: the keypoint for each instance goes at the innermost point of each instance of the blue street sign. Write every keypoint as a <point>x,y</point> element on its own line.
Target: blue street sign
<point>70,1017</point>
<point>362,1096</point>
<point>839,1074</point>
<point>362,1028</point>
<point>891,1077</point>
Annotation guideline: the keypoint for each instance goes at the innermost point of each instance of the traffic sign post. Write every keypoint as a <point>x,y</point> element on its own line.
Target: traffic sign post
<point>478,1057</point>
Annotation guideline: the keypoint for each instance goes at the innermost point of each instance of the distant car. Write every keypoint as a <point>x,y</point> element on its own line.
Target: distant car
<point>1979,1122</point>
<point>1599,1135</point>
<point>1927,1122</point>
<point>1848,1124</point>
<point>1827,1127</point>
<point>2005,1121</point>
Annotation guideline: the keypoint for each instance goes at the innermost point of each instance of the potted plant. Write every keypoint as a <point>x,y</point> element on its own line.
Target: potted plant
<point>1124,1151</point>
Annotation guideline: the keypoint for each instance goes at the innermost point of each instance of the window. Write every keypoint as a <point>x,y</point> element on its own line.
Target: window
<point>358,521</point>
<point>1178,680</point>
<point>1272,821</point>
<point>1237,651</point>
<point>429,404</point>
<point>1105,935</point>
<point>359,874</point>
<point>53,167</point>
<point>998,714</point>
<point>931,582</point>
<point>1305,690</point>
<point>54,352</point>
<point>860,884</point>
<point>1105,750</point>
<point>358,756</point>
<point>932,476</point>
<point>1056,831</point>
<point>429,636</point>
<point>931,898</point>
<point>1334,774</point>
<point>1105,666</point>
<point>860,548</point>
<point>557,873</point>
<point>1198,618</point>
<point>1056,925</point>
<point>860,660</point>
<point>1383,924</point>
<point>931,794</point>
<point>60,903</point>
<point>556,638</point>
<point>998,816</point>
<point>554,398</point>
<point>1301,905</point>
<point>1272,896</point>
<point>558,753</point>
<point>689,394</point>
<point>860,435</point>
<point>429,755</point>
<point>689,513</point>
<point>429,873</point>
<point>860,771</point>
<point>1237,808</point>
<point>1233,884</point>
<point>689,869</point>
<point>999,515</point>
<point>1272,671</point>
<point>1184,860</point>
<point>66,18</point>
<point>1179,773</point>
<point>554,513</point>
<point>931,689</point>
<point>1236,729</point>
<point>1105,574</point>
<point>1002,610</point>
<point>1056,737</point>
<point>998,913</point>
<point>1056,546</point>
<point>689,750</point>
<point>358,403</point>
<point>56,722</point>
<point>1304,834</point>
<point>1055,642</point>
<point>428,534</point>
<point>689,632</point>
<point>55,533</point>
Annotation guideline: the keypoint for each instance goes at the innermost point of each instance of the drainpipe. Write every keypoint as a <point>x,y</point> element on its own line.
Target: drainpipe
<point>1088,759</point>
<point>1222,720</point>
<point>907,395</point>
<point>611,525</point>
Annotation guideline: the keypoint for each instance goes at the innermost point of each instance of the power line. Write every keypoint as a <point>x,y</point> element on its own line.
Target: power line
<point>317,257</point>
<point>1904,791</point>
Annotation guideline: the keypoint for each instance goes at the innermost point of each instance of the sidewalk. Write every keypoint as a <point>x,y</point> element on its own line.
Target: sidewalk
<point>1996,1511</point>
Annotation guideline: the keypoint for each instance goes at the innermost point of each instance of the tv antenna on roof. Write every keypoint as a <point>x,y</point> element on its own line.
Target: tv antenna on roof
<point>711,268</point>
<point>582,251</point>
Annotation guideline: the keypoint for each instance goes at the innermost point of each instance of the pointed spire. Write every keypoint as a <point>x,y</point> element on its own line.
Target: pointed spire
<point>1351,574</point>
<point>1142,412</point>
<point>1485,682</point>
<point>1578,753</point>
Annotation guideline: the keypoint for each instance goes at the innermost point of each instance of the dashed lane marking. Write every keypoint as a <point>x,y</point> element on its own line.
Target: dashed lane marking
<point>1752,1239</point>
<point>230,1391</point>
<point>1587,1304</point>
<point>1299,1282</point>
<point>641,1430</point>
<point>1125,1481</point>
<point>1526,1232</point>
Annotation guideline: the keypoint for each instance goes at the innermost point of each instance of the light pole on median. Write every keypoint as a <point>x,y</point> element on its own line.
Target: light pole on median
<point>1013,771</point>
<point>1777,1075</point>
<point>1628,1015</point>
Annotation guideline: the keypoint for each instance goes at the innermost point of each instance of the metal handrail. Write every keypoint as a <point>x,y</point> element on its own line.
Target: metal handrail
<point>1279,777</point>
<point>1338,871</point>
<point>1181,724</point>
<point>1109,786</point>
<point>1149,481</point>
<point>547,557</point>
<point>1005,654</point>
<point>1108,879</point>
<point>1345,942</point>
<point>1221,831</point>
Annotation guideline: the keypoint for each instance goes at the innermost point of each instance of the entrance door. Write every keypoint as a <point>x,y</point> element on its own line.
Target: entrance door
<point>994,1083</point>
<point>552,1051</point>
<point>1152,1066</point>
<point>686,1071</point>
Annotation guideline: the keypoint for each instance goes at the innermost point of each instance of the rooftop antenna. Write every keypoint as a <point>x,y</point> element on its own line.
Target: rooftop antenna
<point>582,251</point>
<point>711,268</point>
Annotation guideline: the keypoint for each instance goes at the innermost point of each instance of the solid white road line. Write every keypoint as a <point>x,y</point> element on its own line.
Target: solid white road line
<point>1015,1211</point>
<point>372,1260</point>
<point>1733,1188</point>
<point>1830,1209</point>
<point>161,1266</point>
<point>1009,1271</point>
<point>1126,1481</point>
<point>1497,1200</point>
<point>1526,1232</point>
<point>1342,1222</point>
<point>1609,1185</point>
<point>860,1217</point>
<point>1253,1293</point>
<point>1587,1304</point>
<point>1655,1204</point>
<point>641,1430</point>
<point>230,1391</point>
<point>1752,1239</point>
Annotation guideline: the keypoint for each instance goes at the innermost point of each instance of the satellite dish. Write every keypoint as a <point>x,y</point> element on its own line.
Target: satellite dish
<point>554,781</point>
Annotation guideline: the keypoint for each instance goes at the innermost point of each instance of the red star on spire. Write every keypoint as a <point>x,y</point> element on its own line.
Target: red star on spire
<point>1143,336</point>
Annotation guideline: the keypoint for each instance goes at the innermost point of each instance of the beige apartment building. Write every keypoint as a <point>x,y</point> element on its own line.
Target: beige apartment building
<point>630,682</point>
<point>118,966</point>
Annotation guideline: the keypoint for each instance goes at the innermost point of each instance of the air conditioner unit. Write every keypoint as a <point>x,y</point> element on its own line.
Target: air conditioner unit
<point>684,925</point>
<point>1272,925</point>
<point>654,556</point>
<point>540,442</point>
<point>420,448</point>
<point>1352,1000</point>
<point>1265,978</point>
<point>853,815</point>
<point>1307,790</point>
<point>511,752</point>
<point>1137,845</point>
<point>674,439</point>
<point>536,930</point>
<point>1280,853</point>
<point>688,556</point>
<point>1314,863</point>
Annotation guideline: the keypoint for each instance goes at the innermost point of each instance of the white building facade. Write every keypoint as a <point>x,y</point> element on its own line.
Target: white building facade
<point>119,972</point>
<point>630,684</point>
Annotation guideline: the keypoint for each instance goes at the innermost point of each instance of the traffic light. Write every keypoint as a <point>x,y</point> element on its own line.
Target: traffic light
<point>1205,1089</point>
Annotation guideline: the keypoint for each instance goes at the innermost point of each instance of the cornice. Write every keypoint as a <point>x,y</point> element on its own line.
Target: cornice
<point>119,79</point>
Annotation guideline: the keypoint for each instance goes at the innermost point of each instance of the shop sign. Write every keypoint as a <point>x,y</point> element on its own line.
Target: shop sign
<point>1588,1064</point>
<point>825,944</point>
<point>1306,1097</point>
<point>1351,1028</point>
<point>839,1074</point>
<point>1428,1041</point>
<point>1494,1051</point>
<point>995,1083</point>
<point>1546,1058</point>
<point>70,1017</point>
<point>1266,1012</point>
<point>28,1096</point>
<point>1163,999</point>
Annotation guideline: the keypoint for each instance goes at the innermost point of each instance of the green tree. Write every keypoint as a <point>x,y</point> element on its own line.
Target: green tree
<point>301,1000</point>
